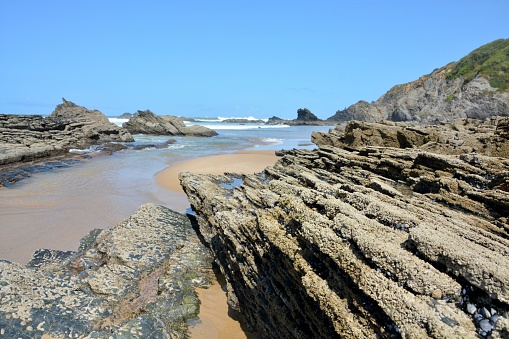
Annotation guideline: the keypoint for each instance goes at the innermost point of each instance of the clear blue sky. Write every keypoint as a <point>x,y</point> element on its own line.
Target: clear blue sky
<point>229,58</point>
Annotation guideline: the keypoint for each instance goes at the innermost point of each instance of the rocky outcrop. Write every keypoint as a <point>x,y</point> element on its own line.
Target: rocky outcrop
<point>135,280</point>
<point>462,136</point>
<point>125,115</point>
<point>146,122</point>
<point>474,87</point>
<point>29,137</point>
<point>379,232</point>
<point>304,118</point>
<point>432,99</point>
<point>304,114</point>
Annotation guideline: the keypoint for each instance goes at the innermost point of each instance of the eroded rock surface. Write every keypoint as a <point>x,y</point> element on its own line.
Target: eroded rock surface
<point>146,122</point>
<point>135,280</point>
<point>366,237</point>
<point>29,137</point>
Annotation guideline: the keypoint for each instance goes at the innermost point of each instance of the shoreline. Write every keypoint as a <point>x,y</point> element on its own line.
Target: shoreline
<point>247,162</point>
<point>214,318</point>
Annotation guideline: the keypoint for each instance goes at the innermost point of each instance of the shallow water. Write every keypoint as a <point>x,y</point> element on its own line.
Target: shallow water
<point>57,208</point>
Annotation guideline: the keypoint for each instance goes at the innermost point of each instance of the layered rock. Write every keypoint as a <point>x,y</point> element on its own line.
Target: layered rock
<point>29,137</point>
<point>476,87</point>
<point>146,122</point>
<point>488,137</point>
<point>135,280</point>
<point>372,234</point>
<point>432,99</point>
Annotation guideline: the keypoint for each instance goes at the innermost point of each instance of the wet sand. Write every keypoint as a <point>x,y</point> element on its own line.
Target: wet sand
<point>241,162</point>
<point>55,210</point>
<point>214,319</point>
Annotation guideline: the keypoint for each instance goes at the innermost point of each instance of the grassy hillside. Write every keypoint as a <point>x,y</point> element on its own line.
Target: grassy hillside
<point>491,61</point>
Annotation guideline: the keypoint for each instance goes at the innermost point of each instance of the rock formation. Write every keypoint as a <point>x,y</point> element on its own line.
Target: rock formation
<point>304,118</point>
<point>304,114</point>
<point>135,280</point>
<point>476,87</point>
<point>146,122</point>
<point>386,230</point>
<point>28,137</point>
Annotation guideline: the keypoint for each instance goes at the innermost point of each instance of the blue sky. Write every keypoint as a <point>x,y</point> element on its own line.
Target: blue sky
<point>229,58</point>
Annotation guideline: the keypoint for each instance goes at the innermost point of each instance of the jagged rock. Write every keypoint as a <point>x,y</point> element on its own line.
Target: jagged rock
<point>461,136</point>
<point>304,118</point>
<point>350,240</point>
<point>362,111</point>
<point>304,114</point>
<point>134,280</point>
<point>146,122</point>
<point>28,137</point>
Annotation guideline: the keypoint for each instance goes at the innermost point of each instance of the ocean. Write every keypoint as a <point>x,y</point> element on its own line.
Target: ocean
<point>55,209</point>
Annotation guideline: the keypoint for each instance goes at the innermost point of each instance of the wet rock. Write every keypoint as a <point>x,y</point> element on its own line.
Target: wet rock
<point>12,173</point>
<point>485,325</point>
<point>136,280</point>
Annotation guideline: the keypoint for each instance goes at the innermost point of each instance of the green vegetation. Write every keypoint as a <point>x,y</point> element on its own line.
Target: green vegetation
<point>491,61</point>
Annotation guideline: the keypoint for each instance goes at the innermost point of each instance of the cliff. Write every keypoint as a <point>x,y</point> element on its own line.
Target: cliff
<point>477,87</point>
<point>385,230</point>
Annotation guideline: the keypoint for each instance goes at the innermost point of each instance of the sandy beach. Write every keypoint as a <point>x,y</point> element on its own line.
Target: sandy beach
<point>240,162</point>
<point>214,319</point>
<point>56,209</point>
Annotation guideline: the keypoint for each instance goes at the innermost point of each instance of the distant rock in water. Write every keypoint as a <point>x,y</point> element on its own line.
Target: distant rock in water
<point>134,280</point>
<point>304,114</point>
<point>304,118</point>
<point>146,122</point>
<point>386,230</point>
<point>28,137</point>
<point>125,116</point>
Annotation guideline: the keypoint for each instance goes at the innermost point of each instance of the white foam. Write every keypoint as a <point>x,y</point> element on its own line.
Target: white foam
<point>273,141</point>
<point>118,121</point>
<point>229,126</point>
<point>91,149</point>
<point>250,118</point>
<point>221,119</point>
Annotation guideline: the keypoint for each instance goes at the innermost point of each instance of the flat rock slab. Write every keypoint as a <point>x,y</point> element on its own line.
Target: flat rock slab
<point>135,280</point>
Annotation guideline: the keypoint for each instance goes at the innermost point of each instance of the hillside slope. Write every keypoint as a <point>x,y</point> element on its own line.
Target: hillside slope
<point>477,86</point>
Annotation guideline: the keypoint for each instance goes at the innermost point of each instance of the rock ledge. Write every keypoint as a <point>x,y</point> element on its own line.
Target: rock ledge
<point>363,237</point>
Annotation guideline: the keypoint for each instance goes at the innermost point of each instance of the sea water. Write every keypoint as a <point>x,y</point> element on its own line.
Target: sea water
<point>56,208</point>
